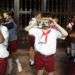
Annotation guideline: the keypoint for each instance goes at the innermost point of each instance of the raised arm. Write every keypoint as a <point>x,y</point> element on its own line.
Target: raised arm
<point>62,30</point>
<point>32,23</point>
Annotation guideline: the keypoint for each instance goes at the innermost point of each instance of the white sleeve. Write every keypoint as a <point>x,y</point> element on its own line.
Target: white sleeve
<point>5,32</point>
<point>33,31</point>
<point>33,22</point>
<point>59,34</point>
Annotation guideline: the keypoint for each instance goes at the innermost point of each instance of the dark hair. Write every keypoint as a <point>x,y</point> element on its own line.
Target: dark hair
<point>1,15</point>
<point>1,18</point>
<point>10,13</point>
<point>34,14</point>
<point>73,19</point>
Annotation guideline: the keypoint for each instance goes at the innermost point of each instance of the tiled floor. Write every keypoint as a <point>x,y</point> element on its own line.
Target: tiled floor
<point>63,67</point>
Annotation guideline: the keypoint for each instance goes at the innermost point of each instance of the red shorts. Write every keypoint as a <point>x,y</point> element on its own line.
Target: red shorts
<point>3,66</point>
<point>43,62</point>
<point>13,46</point>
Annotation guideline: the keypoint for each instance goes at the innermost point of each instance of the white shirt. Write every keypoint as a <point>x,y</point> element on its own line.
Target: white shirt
<point>3,46</point>
<point>45,48</point>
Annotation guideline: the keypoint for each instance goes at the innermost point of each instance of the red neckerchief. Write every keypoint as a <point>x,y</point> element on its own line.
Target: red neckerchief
<point>46,34</point>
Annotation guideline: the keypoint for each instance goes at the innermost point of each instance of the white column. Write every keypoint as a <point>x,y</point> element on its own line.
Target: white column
<point>43,5</point>
<point>16,8</point>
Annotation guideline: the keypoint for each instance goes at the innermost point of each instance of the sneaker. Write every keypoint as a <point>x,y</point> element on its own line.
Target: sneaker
<point>31,62</point>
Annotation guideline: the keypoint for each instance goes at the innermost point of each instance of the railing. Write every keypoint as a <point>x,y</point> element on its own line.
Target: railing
<point>24,8</point>
<point>57,8</point>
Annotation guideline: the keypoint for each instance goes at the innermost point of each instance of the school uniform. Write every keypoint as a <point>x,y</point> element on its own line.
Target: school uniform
<point>45,47</point>
<point>3,50</point>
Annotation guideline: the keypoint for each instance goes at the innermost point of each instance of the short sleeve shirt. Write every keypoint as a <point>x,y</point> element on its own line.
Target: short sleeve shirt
<point>3,46</point>
<point>49,47</point>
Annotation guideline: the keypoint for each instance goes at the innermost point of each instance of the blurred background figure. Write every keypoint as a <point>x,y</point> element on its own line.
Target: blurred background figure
<point>13,40</point>
<point>71,37</point>
<point>71,24</point>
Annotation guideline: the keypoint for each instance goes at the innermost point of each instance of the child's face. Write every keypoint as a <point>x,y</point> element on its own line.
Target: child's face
<point>44,23</point>
<point>39,16</point>
<point>5,15</point>
<point>0,17</point>
<point>45,27</point>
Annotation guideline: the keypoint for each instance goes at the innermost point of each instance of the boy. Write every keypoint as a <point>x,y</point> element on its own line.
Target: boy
<point>45,44</point>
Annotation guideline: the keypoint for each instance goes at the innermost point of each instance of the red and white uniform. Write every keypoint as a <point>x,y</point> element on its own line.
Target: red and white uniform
<point>45,46</point>
<point>3,50</point>
<point>3,46</point>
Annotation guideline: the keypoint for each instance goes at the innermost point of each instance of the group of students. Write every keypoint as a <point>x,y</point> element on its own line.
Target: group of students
<point>8,43</point>
<point>46,31</point>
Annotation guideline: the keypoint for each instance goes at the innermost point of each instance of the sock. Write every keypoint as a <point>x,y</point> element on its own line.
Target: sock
<point>19,65</point>
<point>31,62</point>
